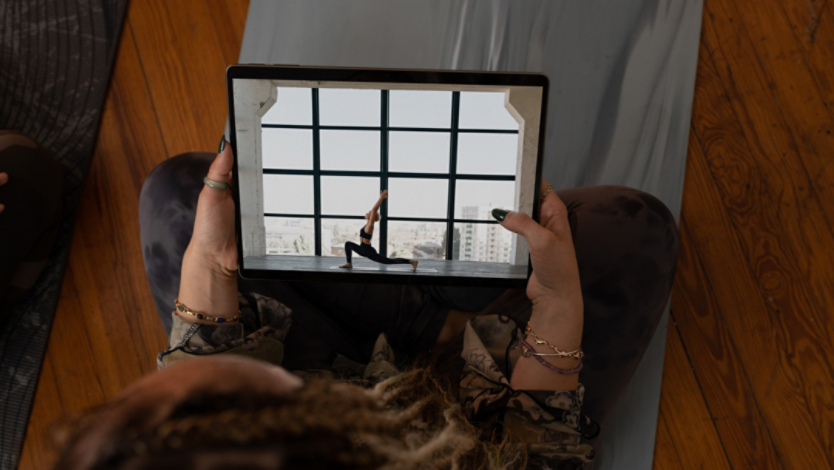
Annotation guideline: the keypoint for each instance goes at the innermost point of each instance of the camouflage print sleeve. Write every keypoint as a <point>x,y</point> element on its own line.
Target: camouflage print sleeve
<point>260,334</point>
<point>549,423</point>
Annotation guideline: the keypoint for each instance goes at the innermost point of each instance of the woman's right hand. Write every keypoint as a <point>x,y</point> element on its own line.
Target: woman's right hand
<point>214,224</point>
<point>208,283</point>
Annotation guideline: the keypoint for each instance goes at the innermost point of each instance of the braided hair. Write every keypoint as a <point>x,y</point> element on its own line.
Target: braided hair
<point>408,422</point>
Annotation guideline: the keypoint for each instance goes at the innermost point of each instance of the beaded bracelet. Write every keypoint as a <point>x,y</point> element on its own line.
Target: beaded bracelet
<point>575,354</point>
<point>202,316</point>
<point>528,351</point>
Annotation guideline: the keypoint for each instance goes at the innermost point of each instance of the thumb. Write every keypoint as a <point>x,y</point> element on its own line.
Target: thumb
<point>221,168</point>
<point>522,224</point>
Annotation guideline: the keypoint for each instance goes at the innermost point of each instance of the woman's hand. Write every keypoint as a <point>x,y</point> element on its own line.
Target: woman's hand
<point>208,283</point>
<point>214,224</point>
<point>555,278</point>
<point>555,291</point>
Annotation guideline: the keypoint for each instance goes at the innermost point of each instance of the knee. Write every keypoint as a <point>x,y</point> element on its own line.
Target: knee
<point>627,248</point>
<point>185,169</point>
<point>177,180</point>
<point>635,217</point>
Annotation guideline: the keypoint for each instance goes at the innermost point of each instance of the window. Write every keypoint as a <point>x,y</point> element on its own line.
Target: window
<point>447,158</point>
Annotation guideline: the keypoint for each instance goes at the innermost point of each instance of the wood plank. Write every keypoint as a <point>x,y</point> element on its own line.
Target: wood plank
<point>665,454</point>
<point>185,71</point>
<point>789,344</point>
<point>697,315</point>
<point>229,21</point>
<point>48,407</point>
<point>98,312</point>
<point>787,123</point>
<point>689,424</point>
<point>108,321</point>
<point>800,70</point>
<point>74,383</point>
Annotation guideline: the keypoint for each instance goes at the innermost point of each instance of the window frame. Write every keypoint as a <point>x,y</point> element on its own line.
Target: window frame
<point>384,174</point>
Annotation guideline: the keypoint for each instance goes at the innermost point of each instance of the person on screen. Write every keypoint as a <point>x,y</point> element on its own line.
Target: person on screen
<point>364,247</point>
<point>323,375</point>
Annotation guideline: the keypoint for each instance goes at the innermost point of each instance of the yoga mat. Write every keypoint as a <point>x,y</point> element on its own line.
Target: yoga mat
<point>55,62</point>
<point>622,78</point>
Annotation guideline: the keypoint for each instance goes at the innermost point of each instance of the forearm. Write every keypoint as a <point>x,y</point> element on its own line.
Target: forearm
<point>561,325</point>
<point>205,288</point>
<point>376,207</point>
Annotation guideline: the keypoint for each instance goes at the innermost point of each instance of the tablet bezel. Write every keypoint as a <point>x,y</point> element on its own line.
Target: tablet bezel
<point>350,74</point>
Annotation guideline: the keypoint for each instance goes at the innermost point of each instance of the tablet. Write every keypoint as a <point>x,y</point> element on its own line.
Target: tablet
<point>396,171</point>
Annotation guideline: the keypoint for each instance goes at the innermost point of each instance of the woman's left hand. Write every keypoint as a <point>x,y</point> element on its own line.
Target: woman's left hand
<point>555,291</point>
<point>555,278</point>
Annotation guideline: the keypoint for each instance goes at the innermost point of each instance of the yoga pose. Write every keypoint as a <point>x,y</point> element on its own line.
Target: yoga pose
<point>364,247</point>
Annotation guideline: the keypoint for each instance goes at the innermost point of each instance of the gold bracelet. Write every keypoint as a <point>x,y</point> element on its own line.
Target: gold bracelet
<point>576,353</point>
<point>202,316</point>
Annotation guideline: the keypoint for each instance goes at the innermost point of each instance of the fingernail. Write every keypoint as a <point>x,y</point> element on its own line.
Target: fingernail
<point>499,214</point>
<point>222,144</point>
<point>2,207</point>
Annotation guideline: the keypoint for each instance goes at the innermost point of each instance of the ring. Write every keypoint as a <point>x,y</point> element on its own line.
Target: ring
<point>549,188</point>
<point>214,184</point>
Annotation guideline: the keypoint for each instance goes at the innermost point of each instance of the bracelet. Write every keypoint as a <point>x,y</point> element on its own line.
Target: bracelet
<point>576,353</point>
<point>531,352</point>
<point>202,316</point>
<point>527,351</point>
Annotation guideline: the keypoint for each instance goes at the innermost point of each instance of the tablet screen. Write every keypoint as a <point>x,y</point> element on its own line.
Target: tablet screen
<point>367,178</point>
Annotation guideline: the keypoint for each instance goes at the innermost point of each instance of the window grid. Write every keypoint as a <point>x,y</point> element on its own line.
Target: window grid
<point>384,174</point>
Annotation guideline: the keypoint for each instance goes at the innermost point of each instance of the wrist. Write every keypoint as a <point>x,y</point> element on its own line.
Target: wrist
<point>548,308</point>
<point>207,259</point>
<point>206,287</point>
<point>560,321</point>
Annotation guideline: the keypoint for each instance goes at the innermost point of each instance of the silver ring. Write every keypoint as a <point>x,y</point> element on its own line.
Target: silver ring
<point>214,184</point>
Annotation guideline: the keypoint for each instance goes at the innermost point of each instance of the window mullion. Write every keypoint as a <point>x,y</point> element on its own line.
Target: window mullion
<point>453,163</point>
<point>383,179</point>
<point>316,175</point>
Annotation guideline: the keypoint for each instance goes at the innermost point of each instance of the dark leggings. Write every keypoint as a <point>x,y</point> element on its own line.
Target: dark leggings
<point>626,246</point>
<point>366,250</point>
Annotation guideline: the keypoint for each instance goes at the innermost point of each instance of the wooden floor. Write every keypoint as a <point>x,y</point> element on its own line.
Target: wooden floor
<point>749,374</point>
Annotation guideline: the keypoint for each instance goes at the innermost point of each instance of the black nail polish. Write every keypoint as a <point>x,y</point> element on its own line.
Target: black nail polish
<point>499,214</point>
<point>222,144</point>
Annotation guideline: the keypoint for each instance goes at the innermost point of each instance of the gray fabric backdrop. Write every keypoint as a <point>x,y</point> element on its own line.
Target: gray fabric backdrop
<point>622,78</point>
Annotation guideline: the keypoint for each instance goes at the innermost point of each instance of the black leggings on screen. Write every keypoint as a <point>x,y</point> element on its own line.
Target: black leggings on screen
<point>366,250</point>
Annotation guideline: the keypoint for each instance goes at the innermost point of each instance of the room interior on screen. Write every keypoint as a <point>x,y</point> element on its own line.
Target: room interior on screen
<point>314,157</point>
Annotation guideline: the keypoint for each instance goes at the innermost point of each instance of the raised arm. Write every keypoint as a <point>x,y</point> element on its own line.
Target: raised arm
<point>382,196</point>
<point>369,227</point>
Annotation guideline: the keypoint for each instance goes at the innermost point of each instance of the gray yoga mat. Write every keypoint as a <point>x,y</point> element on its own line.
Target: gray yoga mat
<point>622,78</point>
<point>55,62</point>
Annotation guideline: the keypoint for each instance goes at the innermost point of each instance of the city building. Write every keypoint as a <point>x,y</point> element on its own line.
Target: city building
<point>483,242</point>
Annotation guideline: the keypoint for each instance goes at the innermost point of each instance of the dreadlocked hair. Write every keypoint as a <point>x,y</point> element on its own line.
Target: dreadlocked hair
<point>407,422</point>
